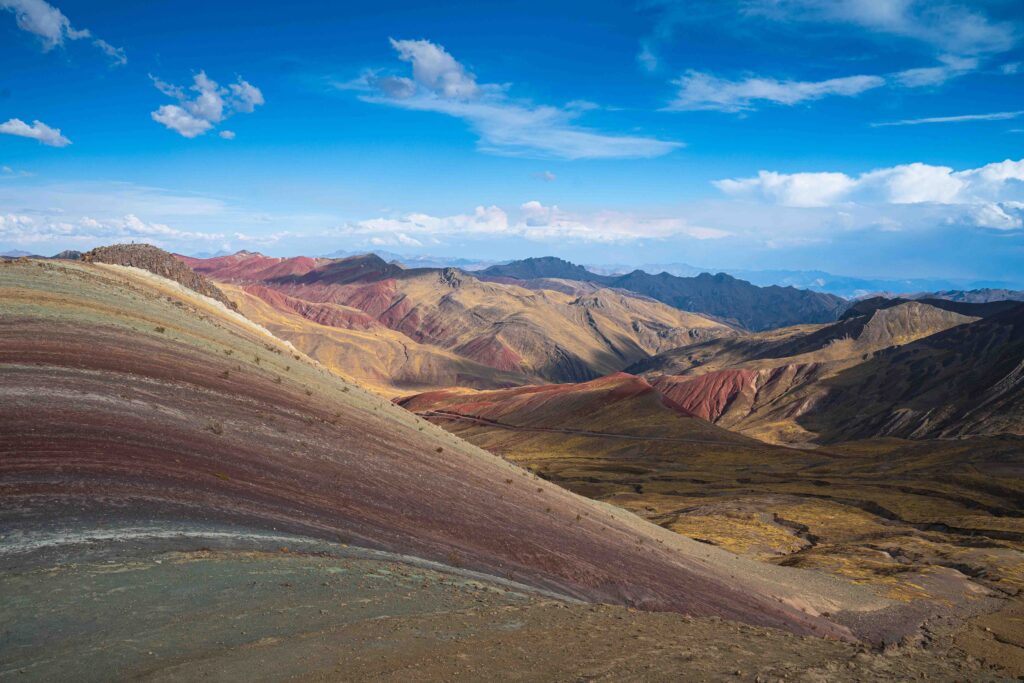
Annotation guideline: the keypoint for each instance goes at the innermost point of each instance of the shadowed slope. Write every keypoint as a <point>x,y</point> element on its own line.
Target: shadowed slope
<point>965,380</point>
<point>763,383</point>
<point>129,400</point>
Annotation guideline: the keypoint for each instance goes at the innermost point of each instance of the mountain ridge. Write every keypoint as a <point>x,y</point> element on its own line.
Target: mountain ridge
<point>720,295</point>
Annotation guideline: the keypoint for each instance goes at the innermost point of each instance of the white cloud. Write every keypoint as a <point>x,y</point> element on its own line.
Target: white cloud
<point>997,217</point>
<point>483,220</point>
<point>212,104</point>
<point>25,229</point>
<point>53,28</point>
<point>181,121</point>
<point>995,116</point>
<point>227,134</point>
<point>546,176</point>
<point>990,195</point>
<point>792,189</point>
<point>85,214</point>
<point>701,91</point>
<point>441,84</point>
<point>952,27</point>
<point>906,184</point>
<point>533,221</point>
<point>37,131</point>
<point>246,96</point>
<point>436,70</point>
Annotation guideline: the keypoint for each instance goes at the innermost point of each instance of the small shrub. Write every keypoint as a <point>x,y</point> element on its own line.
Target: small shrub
<point>161,330</point>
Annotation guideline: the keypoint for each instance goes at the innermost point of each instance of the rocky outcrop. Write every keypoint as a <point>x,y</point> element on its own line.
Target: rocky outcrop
<point>159,262</point>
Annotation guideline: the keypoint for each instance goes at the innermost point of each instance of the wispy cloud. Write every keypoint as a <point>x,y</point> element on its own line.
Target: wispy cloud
<point>441,84</point>
<point>37,131</point>
<point>950,67</point>
<point>6,172</point>
<point>700,91</point>
<point>962,35</point>
<point>995,116</point>
<point>53,28</point>
<point>212,104</point>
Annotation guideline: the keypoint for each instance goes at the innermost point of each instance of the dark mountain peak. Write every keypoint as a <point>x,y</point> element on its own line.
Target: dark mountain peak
<point>542,267</point>
<point>870,305</point>
<point>362,268</point>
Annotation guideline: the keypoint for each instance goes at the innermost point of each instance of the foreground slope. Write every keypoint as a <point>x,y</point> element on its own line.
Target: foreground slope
<point>539,335</point>
<point>306,614</point>
<point>133,408</point>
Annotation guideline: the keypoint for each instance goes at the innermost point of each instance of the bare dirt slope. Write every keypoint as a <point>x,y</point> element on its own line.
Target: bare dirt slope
<point>145,612</point>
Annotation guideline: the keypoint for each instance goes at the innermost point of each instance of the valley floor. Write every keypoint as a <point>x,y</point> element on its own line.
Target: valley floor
<point>936,525</point>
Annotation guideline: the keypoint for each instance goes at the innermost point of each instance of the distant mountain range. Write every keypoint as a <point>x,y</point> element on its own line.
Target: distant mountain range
<point>974,296</point>
<point>721,295</point>
<point>846,286</point>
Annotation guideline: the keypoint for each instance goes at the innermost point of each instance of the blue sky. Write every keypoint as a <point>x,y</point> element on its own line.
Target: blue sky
<point>856,136</point>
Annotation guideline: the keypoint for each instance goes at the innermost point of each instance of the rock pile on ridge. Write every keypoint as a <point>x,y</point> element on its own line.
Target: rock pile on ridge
<point>160,262</point>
